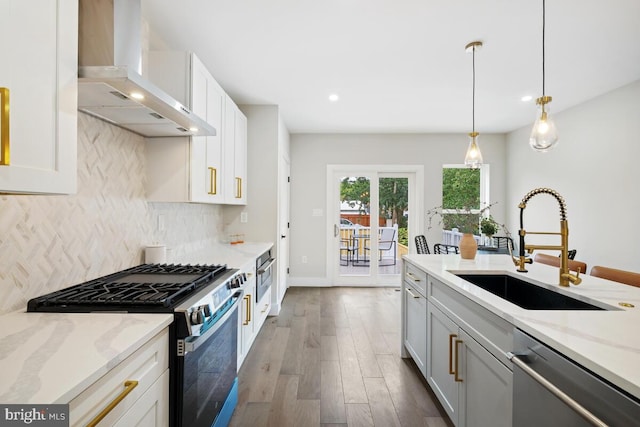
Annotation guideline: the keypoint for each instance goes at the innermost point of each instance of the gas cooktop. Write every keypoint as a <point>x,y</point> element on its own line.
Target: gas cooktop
<point>147,287</point>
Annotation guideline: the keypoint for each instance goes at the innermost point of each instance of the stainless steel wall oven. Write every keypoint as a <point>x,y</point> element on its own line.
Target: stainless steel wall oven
<point>264,273</point>
<point>203,337</point>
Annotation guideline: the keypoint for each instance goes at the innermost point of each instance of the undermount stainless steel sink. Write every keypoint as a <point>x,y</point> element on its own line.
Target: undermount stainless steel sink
<point>525,294</point>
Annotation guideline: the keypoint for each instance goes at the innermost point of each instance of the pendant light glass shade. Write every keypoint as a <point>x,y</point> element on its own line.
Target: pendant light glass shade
<point>543,134</point>
<point>474,156</point>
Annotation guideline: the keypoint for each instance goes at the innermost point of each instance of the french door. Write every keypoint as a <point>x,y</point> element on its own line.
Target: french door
<point>368,221</point>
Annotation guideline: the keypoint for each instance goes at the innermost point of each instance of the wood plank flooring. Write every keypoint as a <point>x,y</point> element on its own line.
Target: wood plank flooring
<point>332,358</point>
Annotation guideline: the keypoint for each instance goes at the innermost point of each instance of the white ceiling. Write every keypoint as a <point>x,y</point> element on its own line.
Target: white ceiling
<point>400,65</point>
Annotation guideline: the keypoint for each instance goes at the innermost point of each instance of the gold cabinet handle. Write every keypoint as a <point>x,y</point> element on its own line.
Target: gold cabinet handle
<point>457,370</point>
<point>266,307</point>
<point>412,277</point>
<point>238,187</point>
<point>129,385</point>
<point>451,337</point>
<point>411,293</point>
<point>213,181</point>
<point>247,310</point>
<point>4,127</point>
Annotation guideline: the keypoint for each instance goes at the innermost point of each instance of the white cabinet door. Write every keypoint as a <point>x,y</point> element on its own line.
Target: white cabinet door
<point>416,326</point>
<point>441,354</point>
<point>246,321</point>
<point>39,40</point>
<point>235,149</point>
<point>483,375</point>
<point>207,99</point>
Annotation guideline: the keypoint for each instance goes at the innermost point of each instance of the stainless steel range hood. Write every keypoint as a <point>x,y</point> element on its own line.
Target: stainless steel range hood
<point>110,84</point>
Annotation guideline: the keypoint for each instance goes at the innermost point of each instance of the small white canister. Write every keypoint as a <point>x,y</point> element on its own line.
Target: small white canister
<point>155,254</point>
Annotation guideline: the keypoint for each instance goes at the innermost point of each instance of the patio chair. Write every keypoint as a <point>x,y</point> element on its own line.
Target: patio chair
<point>441,248</point>
<point>387,242</point>
<point>349,247</point>
<point>421,245</point>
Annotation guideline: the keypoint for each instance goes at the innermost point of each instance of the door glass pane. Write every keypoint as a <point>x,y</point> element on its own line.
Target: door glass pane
<point>394,214</point>
<point>355,225</point>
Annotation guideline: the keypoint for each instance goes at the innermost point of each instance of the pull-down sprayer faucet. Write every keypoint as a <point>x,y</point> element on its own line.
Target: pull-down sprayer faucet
<point>565,276</point>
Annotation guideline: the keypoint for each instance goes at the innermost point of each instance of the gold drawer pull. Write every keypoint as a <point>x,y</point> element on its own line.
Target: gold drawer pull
<point>129,385</point>
<point>456,377</point>
<point>266,307</point>
<point>213,181</point>
<point>412,277</point>
<point>4,127</point>
<point>239,187</point>
<point>247,310</point>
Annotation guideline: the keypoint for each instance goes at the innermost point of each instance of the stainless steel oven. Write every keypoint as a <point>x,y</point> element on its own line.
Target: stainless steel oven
<point>207,363</point>
<point>203,337</point>
<point>264,273</point>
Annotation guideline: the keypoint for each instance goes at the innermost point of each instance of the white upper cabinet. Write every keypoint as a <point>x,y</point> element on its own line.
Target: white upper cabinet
<point>235,147</point>
<point>39,42</point>
<point>187,169</point>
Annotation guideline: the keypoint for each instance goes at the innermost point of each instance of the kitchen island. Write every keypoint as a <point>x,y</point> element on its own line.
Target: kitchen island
<point>603,341</point>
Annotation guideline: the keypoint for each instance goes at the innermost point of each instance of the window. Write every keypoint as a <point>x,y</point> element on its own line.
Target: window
<point>464,194</point>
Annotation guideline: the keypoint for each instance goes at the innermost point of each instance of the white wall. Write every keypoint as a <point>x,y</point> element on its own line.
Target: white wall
<point>311,153</point>
<point>595,168</point>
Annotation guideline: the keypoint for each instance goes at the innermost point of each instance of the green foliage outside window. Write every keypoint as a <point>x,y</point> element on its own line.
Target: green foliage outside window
<point>461,195</point>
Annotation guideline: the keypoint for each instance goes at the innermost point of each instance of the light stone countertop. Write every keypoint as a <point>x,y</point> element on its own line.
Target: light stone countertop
<point>48,358</point>
<point>606,342</point>
<point>241,256</point>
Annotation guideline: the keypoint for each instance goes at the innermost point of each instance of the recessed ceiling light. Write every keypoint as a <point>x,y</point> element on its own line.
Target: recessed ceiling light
<point>334,97</point>
<point>193,129</point>
<point>137,95</point>
<point>526,98</point>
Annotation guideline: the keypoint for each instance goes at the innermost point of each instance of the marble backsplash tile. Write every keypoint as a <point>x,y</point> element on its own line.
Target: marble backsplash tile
<point>51,242</point>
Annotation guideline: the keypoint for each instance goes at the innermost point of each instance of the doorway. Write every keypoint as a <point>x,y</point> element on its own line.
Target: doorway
<point>370,222</point>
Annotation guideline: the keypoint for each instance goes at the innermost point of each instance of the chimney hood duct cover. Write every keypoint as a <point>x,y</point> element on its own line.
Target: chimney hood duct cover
<point>110,85</point>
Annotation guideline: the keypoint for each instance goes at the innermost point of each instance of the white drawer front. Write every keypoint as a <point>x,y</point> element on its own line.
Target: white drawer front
<point>416,277</point>
<point>146,365</point>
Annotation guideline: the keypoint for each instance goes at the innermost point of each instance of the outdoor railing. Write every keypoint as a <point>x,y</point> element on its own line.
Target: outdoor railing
<point>452,237</point>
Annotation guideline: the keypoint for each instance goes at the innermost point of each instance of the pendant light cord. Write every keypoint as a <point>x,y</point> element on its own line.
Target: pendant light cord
<point>473,96</point>
<point>543,27</point>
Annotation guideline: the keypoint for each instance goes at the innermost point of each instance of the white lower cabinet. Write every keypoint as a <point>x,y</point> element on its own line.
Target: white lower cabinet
<point>472,385</point>
<point>141,381</point>
<point>246,321</point>
<point>415,318</point>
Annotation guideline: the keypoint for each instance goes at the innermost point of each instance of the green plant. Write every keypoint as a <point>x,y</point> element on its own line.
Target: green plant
<point>403,236</point>
<point>465,219</point>
<point>488,226</point>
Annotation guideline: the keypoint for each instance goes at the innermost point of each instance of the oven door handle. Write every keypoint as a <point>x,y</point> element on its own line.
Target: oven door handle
<point>195,342</point>
<point>262,269</point>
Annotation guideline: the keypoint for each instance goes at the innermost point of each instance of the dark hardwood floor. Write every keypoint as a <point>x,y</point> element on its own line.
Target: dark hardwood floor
<point>332,358</point>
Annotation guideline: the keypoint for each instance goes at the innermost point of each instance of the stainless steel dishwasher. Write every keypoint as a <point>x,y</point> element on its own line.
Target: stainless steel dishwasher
<point>551,390</point>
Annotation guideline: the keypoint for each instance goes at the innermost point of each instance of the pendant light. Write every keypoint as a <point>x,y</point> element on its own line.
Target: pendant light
<point>474,156</point>
<point>543,135</point>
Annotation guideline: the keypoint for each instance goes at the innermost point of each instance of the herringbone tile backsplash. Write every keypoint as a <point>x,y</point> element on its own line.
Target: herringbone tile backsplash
<point>51,242</point>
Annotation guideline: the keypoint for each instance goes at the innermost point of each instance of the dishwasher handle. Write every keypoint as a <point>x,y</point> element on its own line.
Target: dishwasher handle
<point>579,409</point>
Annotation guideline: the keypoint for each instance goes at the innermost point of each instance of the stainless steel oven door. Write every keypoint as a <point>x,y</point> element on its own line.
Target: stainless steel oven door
<point>208,369</point>
<point>264,277</point>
